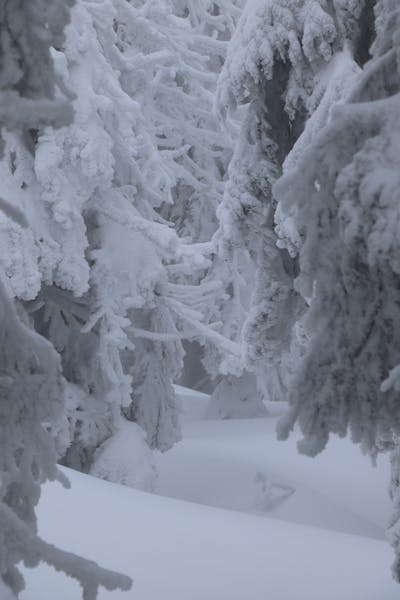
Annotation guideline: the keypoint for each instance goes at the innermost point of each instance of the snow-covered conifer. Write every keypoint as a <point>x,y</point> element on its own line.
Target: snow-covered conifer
<point>343,200</point>
<point>343,203</point>
<point>99,177</point>
<point>175,50</point>
<point>31,388</point>
<point>114,302</point>
<point>290,62</point>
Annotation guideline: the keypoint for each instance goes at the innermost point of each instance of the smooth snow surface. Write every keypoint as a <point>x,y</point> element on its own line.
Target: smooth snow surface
<point>240,465</point>
<point>5,593</point>
<point>193,404</point>
<point>290,546</point>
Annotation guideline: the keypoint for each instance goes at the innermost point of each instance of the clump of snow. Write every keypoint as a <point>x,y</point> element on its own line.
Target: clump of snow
<point>236,398</point>
<point>300,32</point>
<point>126,458</point>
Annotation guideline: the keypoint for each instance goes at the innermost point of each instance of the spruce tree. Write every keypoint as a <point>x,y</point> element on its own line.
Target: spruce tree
<point>341,199</point>
<point>118,299</point>
<point>289,63</point>
<point>32,387</point>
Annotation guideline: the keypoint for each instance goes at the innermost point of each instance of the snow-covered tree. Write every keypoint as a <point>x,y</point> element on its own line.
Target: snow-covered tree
<point>114,299</point>
<point>343,203</point>
<point>99,179</point>
<point>341,200</point>
<point>289,62</point>
<point>27,80</point>
<point>31,387</point>
<point>31,400</point>
<point>175,50</point>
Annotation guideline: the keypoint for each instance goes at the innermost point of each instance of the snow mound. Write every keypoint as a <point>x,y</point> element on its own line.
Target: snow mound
<point>236,398</point>
<point>126,459</point>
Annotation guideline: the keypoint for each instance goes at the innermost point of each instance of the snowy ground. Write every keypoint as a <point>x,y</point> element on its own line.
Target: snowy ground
<point>237,516</point>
